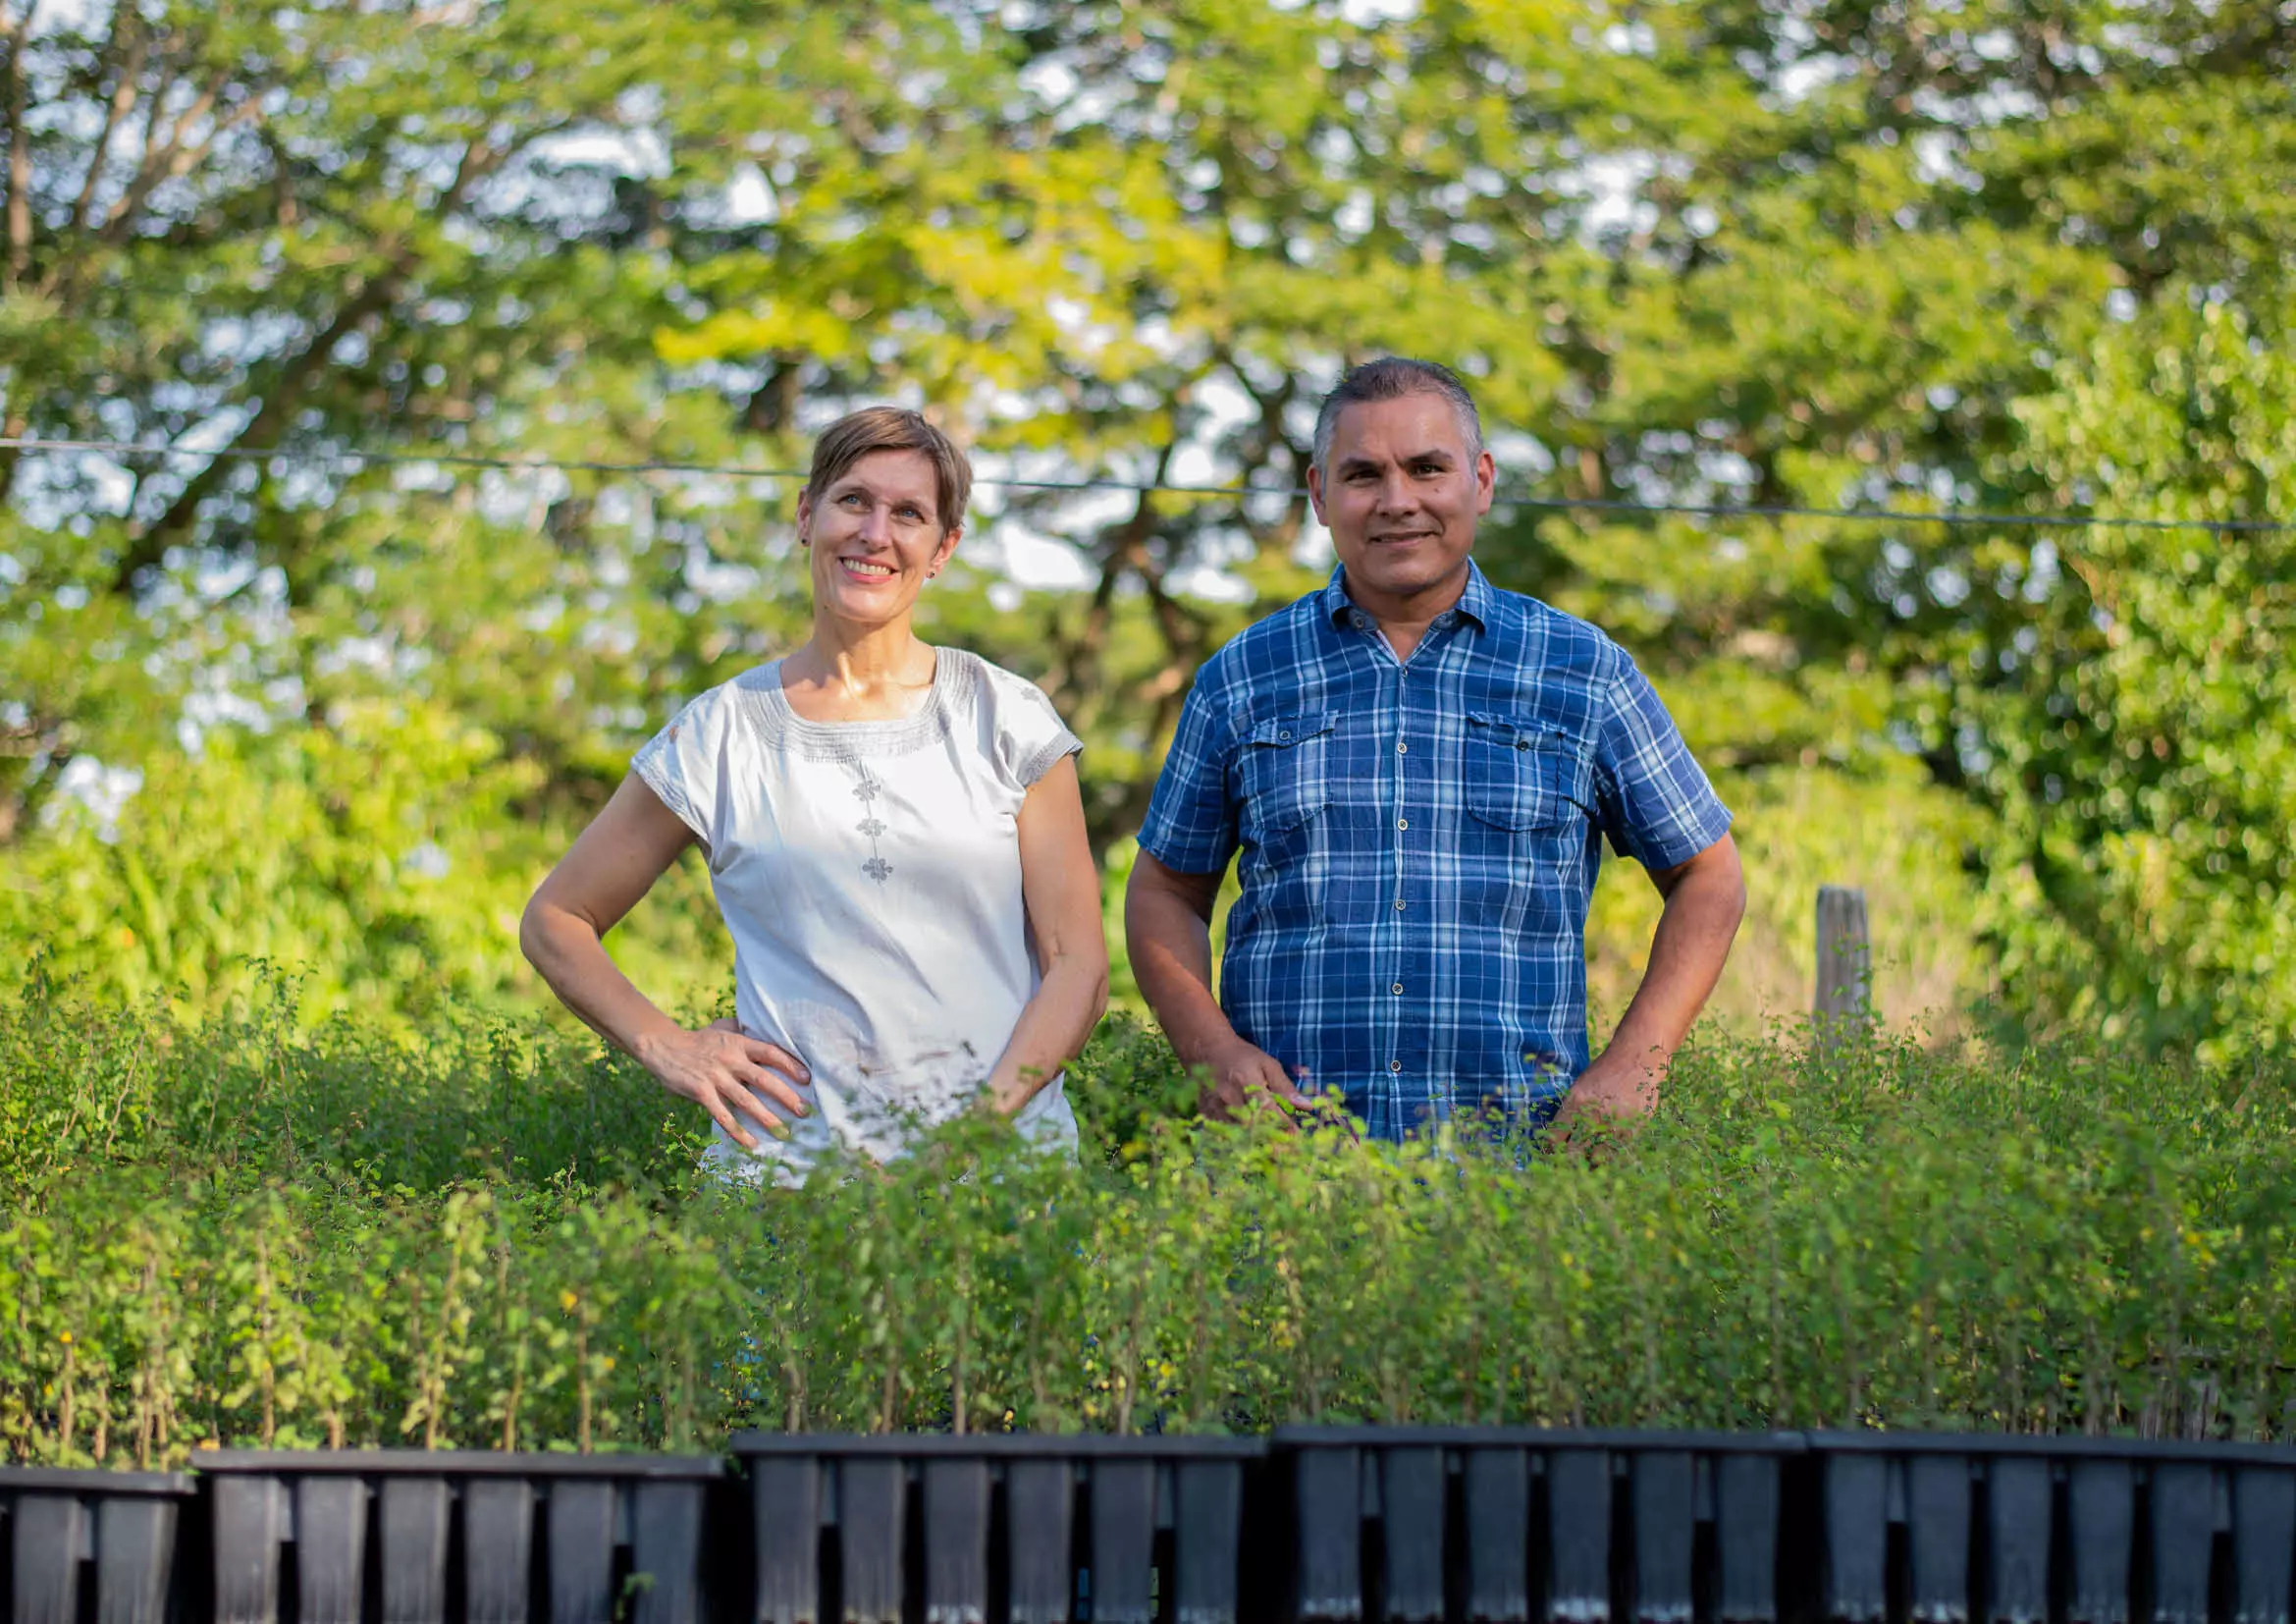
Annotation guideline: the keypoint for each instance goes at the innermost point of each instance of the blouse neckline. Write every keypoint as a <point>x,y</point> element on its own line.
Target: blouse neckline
<point>778,723</point>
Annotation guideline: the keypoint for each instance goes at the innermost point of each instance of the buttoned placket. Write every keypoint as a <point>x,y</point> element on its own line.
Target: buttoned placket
<point>1396,674</point>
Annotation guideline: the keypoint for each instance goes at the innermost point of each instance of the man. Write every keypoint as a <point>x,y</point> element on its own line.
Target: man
<point>1419,770</point>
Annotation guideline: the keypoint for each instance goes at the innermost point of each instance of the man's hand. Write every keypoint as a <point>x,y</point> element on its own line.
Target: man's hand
<point>1246,1081</point>
<point>728,1073</point>
<point>1610,1099</point>
<point>1705,897</point>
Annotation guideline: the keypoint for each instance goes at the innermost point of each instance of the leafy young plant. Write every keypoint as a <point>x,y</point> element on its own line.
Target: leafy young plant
<point>1880,1235</point>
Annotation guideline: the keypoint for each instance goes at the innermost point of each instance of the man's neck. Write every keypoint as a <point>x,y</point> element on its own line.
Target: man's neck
<point>1403,618</point>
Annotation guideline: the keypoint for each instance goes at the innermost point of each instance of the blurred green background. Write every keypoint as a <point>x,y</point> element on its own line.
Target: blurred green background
<point>338,715</point>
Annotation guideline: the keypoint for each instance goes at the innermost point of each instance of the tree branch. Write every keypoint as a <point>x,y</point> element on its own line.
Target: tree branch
<point>18,158</point>
<point>173,160</point>
<point>295,374</point>
<point>120,104</point>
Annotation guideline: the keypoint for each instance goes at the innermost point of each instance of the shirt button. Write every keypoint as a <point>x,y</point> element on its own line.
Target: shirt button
<point>1397,989</point>
<point>1283,735</point>
<point>1401,748</point>
<point>1403,823</point>
<point>1395,1065</point>
<point>1523,744</point>
<point>1399,904</point>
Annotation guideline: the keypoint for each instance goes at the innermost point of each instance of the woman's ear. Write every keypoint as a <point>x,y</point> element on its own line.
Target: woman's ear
<point>804,516</point>
<point>947,547</point>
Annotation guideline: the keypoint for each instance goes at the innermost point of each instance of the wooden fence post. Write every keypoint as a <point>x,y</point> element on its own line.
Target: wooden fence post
<point>1845,1002</point>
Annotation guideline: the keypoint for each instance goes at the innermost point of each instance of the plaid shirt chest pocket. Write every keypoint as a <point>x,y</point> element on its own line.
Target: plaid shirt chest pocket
<point>1284,772</point>
<point>1524,775</point>
<point>1530,795</point>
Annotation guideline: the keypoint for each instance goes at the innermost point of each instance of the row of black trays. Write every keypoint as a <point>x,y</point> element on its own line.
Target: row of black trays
<point>1321,1523</point>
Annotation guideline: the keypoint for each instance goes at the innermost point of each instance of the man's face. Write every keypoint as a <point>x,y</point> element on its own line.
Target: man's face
<point>1401,495</point>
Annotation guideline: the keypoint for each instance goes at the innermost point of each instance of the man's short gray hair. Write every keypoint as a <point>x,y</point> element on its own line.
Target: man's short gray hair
<point>1391,378</point>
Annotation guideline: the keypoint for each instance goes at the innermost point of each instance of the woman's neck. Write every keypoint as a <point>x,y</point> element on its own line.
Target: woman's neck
<point>853,671</point>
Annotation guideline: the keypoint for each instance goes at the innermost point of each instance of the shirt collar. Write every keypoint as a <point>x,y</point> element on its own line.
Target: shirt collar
<point>1475,604</point>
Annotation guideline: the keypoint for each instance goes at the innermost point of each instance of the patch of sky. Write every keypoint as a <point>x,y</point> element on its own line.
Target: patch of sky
<point>2041,573</point>
<point>1795,81</point>
<point>715,580</point>
<point>1074,321</point>
<point>519,497</point>
<point>1948,586</point>
<point>426,861</point>
<point>435,478</point>
<point>54,17</point>
<point>1610,183</point>
<point>235,341</point>
<point>1631,38</point>
<point>1937,161</point>
<point>612,637</point>
<point>89,788</point>
<point>214,703</point>
<point>379,652</point>
<point>750,198</point>
<point>2143,43</point>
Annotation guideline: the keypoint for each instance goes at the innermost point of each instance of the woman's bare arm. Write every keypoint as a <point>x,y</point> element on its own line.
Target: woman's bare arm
<point>1062,891</point>
<point>614,863</point>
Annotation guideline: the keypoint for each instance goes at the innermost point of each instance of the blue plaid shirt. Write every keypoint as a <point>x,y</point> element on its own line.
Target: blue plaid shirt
<point>1419,840</point>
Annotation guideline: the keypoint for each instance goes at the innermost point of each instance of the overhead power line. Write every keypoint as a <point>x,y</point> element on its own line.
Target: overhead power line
<point>1555,503</point>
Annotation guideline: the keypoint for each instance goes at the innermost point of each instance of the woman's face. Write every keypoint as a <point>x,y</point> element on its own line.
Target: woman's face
<point>875,535</point>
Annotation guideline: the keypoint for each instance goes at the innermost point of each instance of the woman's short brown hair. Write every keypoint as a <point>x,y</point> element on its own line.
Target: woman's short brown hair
<point>872,429</point>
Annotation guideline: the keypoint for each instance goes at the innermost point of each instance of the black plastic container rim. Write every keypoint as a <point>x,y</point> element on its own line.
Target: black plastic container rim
<point>1619,1440</point>
<point>454,1463</point>
<point>94,1479</point>
<point>2055,1445</point>
<point>1040,1445</point>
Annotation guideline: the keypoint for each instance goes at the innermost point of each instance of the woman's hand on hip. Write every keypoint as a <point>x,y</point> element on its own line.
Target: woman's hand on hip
<point>730,1075</point>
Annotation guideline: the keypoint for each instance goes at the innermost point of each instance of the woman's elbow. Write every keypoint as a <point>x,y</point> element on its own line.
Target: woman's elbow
<point>536,933</point>
<point>530,933</point>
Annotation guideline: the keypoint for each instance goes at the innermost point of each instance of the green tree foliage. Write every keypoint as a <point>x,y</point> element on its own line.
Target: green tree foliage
<point>1823,255</point>
<point>2145,757</point>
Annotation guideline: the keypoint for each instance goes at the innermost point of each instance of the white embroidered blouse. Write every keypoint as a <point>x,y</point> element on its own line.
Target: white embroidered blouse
<point>869,873</point>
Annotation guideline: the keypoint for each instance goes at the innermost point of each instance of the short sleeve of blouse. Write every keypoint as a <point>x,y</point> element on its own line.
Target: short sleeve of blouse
<point>1025,731</point>
<point>684,763</point>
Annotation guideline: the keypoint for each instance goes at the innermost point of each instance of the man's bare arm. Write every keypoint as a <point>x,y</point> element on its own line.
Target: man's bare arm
<point>1705,898</point>
<point>1167,930</point>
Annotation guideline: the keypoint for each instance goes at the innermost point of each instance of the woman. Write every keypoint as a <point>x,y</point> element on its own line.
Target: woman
<point>896,840</point>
